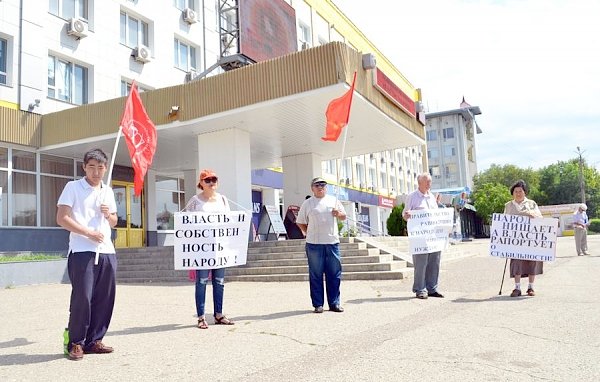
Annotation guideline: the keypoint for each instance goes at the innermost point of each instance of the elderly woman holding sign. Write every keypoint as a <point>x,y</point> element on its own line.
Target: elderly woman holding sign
<point>520,205</point>
<point>209,200</point>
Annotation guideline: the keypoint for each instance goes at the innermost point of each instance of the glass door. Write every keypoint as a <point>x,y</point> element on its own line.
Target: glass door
<point>130,212</point>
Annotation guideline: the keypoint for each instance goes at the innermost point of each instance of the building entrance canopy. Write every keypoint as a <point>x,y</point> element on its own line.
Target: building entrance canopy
<point>281,103</point>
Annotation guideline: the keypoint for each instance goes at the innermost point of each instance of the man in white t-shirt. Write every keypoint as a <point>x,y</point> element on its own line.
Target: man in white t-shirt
<point>87,209</point>
<point>317,220</point>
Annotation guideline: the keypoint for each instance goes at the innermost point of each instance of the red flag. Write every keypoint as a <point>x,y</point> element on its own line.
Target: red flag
<point>337,114</point>
<point>140,135</point>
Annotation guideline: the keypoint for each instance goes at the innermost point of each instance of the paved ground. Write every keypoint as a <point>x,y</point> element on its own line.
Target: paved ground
<point>385,334</point>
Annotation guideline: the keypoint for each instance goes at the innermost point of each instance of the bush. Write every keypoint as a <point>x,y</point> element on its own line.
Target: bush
<point>396,226</point>
<point>594,225</point>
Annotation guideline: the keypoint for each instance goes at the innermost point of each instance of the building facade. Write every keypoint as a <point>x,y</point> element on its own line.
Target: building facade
<point>65,67</point>
<point>451,151</point>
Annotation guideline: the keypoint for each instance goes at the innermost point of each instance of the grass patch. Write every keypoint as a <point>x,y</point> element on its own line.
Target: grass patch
<point>25,257</point>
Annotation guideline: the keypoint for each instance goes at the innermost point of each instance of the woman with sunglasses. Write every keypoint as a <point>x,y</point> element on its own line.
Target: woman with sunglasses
<point>209,200</point>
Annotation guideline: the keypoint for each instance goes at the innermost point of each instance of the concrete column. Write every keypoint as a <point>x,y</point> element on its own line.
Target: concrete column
<point>298,170</point>
<point>227,152</point>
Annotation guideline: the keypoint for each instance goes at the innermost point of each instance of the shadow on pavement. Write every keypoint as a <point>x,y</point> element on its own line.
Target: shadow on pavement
<point>27,359</point>
<point>494,298</point>
<point>148,329</point>
<point>379,299</point>
<point>274,316</point>
<point>14,343</point>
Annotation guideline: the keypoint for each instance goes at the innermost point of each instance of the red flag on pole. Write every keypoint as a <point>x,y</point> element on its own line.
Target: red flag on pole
<point>338,114</point>
<point>140,135</point>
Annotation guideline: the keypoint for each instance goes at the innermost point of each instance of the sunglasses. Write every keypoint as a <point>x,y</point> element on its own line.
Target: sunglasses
<point>320,184</point>
<point>211,180</point>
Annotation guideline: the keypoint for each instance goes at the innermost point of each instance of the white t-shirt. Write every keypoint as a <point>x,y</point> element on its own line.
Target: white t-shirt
<point>220,205</point>
<point>85,202</point>
<point>322,225</point>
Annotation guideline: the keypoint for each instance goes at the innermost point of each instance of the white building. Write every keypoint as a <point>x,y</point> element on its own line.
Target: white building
<point>57,55</point>
<point>451,151</point>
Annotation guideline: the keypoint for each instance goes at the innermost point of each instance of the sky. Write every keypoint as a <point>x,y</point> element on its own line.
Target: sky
<point>532,66</point>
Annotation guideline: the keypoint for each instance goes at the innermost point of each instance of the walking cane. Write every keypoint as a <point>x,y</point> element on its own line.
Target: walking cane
<point>503,273</point>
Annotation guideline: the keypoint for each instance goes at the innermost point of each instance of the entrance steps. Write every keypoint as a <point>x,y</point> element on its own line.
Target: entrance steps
<point>283,260</point>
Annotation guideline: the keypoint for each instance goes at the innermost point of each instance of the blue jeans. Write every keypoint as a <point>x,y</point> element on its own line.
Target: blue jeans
<point>218,284</point>
<point>427,270</point>
<point>324,258</point>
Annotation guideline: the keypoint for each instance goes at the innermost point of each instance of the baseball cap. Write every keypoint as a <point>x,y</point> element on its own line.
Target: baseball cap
<point>583,206</point>
<point>317,180</point>
<point>206,173</point>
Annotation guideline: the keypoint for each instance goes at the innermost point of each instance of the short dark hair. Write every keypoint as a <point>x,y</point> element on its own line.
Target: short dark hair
<point>519,183</point>
<point>96,154</point>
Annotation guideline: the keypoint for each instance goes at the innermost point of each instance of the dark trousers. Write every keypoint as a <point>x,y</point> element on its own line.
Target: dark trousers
<point>92,296</point>
<point>324,258</point>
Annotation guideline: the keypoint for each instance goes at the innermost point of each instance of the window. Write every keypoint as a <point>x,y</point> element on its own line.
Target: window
<point>360,173</point>
<point>67,81</point>
<point>3,197</point>
<point>170,198</point>
<point>372,178</point>
<point>383,178</point>
<point>3,61</point>
<point>184,56</point>
<point>448,133</point>
<point>68,9</point>
<point>434,171</point>
<point>328,167</point>
<point>432,135</point>
<point>451,170</point>
<point>133,31</point>
<point>433,154</point>
<point>304,36</point>
<point>183,4</point>
<point>449,151</point>
<point>126,88</point>
<point>346,169</point>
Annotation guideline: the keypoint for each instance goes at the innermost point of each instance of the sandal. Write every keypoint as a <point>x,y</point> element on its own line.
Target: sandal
<point>202,324</point>
<point>223,321</point>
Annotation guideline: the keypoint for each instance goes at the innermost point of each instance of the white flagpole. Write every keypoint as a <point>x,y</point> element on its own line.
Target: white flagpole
<point>110,170</point>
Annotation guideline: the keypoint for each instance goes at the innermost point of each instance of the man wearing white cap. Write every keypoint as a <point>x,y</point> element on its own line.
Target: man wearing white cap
<point>580,223</point>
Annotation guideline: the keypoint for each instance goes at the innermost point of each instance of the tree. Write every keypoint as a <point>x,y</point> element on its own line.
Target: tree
<point>490,198</point>
<point>396,226</point>
<point>507,175</point>
<point>560,185</point>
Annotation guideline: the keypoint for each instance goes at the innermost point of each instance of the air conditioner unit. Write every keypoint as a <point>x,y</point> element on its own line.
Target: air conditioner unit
<point>189,16</point>
<point>142,54</point>
<point>77,27</point>
<point>189,76</point>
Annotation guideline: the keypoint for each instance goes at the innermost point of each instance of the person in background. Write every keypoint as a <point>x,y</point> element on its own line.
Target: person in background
<point>426,265</point>
<point>209,200</point>
<point>581,223</point>
<point>520,205</point>
<point>87,209</point>
<point>317,221</point>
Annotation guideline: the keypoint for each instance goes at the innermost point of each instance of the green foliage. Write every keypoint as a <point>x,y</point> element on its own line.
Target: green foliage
<point>507,175</point>
<point>561,185</point>
<point>594,225</point>
<point>396,226</point>
<point>29,257</point>
<point>490,198</point>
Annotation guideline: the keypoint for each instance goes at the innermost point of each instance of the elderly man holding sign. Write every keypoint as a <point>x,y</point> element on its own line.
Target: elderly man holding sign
<point>426,257</point>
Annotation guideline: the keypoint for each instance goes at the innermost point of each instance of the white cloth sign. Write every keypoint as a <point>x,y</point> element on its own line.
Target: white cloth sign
<point>523,238</point>
<point>428,230</point>
<point>209,240</point>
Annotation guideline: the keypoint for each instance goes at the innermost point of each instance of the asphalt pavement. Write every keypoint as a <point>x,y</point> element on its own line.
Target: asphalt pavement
<point>385,334</point>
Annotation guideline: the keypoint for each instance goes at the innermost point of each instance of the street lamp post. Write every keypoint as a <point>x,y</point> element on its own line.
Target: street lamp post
<point>581,183</point>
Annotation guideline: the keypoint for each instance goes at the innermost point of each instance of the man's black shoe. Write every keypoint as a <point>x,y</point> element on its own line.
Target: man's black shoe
<point>337,308</point>
<point>435,294</point>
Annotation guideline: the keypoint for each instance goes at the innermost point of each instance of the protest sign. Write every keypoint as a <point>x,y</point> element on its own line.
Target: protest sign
<point>523,238</point>
<point>428,230</point>
<point>209,240</point>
